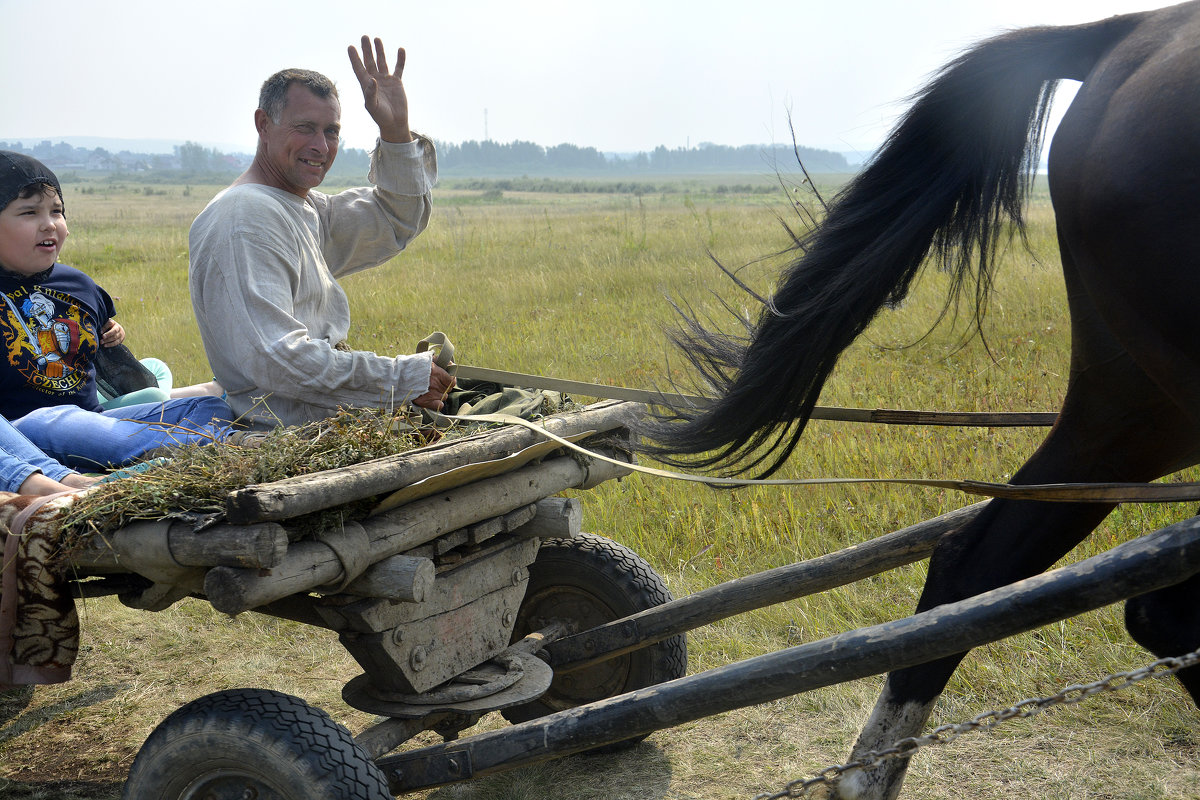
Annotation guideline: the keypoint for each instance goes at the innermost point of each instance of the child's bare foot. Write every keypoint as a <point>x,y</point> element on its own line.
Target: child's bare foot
<point>77,481</point>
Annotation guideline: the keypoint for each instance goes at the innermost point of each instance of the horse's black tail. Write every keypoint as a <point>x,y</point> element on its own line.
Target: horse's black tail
<point>954,170</point>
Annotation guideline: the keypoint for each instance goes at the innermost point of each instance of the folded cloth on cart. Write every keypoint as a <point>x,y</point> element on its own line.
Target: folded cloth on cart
<point>39,629</point>
<point>471,397</point>
<point>475,397</point>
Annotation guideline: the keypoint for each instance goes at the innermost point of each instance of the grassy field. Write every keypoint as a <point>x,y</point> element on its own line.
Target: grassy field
<point>575,286</point>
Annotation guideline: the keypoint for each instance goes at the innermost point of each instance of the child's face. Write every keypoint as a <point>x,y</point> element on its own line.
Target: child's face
<point>33,231</point>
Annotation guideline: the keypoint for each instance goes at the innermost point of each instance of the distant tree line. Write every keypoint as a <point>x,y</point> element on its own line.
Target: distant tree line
<point>494,188</point>
<point>520,157</point>
<point>192,161</point>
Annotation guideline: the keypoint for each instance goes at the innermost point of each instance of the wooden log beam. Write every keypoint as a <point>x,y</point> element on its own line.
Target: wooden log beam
<point>168,544</point>
<point>400,578</point>
<point>1156,560</point>
<point>556,518</point>
<point>293,497</point>
<point>309,565</point>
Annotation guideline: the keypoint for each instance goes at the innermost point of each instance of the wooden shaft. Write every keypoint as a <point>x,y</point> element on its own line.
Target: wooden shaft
<point>756,591</point>
<point>1159,559</point>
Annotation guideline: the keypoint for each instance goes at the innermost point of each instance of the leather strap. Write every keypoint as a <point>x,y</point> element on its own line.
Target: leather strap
<point>443,350</point>
<point>1051,492</point>
<point>352,546</point>
<point>1055,492</point>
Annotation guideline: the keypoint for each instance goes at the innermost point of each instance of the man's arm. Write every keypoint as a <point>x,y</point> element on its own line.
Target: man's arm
<point>368,226</point>
<point>363,228</point>
<point>247,276</point>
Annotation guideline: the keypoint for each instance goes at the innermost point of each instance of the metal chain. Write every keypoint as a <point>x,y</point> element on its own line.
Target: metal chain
<point>989,719</point>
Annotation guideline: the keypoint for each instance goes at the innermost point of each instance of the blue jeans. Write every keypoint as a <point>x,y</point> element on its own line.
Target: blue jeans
<point>90,441</point>
<point>20,458</point>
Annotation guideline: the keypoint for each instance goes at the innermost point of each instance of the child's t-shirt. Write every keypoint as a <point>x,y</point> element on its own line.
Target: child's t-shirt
<point>50,330</point>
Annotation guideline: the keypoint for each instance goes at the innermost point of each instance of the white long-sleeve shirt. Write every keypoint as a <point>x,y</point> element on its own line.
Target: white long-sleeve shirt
<point>263,270</point>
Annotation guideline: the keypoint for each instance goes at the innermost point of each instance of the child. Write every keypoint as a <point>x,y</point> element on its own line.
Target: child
<point>53,318</point>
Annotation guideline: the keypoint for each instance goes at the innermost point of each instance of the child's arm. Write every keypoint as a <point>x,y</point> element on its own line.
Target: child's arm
<point>112,334</point>
<point>37,483</point>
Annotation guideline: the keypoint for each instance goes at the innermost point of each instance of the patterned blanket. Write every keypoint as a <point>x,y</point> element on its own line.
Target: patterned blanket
<point>39,630</point>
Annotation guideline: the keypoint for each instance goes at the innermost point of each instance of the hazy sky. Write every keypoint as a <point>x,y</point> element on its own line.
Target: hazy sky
<point>618,75</point>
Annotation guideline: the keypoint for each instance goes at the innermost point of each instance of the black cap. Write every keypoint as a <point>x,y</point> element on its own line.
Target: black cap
<point>17,171</point>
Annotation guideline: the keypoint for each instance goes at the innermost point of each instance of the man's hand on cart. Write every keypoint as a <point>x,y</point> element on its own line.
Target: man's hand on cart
<point>440,383</point>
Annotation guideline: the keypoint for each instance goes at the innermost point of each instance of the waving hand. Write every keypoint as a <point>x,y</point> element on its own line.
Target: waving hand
<point>383,91</point>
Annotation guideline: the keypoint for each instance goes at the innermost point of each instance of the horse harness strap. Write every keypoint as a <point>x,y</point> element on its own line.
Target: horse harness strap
<point>443,350</point>
<point>882,416</point>
<point>1048,492</point>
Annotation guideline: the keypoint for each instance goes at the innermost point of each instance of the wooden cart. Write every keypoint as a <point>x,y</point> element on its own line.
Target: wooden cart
<point>467,565</point>
<point>472,589</point>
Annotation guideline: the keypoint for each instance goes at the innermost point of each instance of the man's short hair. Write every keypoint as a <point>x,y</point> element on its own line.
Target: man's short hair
<point>273,96</point>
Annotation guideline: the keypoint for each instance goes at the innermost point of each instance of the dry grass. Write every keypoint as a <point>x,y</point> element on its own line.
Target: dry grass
<point>197,478</point>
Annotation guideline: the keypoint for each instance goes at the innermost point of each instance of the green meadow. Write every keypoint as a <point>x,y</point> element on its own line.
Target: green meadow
<point>578,284</point>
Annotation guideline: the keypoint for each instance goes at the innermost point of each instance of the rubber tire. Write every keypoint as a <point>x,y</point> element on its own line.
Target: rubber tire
<point>223,744</point>
<point>607,581</point>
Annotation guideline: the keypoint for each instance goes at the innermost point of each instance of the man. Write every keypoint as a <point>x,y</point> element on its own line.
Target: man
<point>266,252</point>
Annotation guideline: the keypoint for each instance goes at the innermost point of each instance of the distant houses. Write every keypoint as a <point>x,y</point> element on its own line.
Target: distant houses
<point>65,157</point>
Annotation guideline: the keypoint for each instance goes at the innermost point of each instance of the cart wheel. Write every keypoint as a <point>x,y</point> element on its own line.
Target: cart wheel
<point>589,580</point>
<point>255,743</point>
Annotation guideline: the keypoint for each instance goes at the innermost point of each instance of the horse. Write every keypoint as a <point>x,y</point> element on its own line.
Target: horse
<point>946,186</point>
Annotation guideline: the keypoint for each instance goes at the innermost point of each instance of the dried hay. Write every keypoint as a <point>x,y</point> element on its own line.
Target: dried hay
<point>196,479</point>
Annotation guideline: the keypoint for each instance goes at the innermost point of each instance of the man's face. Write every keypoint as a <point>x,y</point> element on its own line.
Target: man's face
<point>33,231</point>
<point>300,148</point>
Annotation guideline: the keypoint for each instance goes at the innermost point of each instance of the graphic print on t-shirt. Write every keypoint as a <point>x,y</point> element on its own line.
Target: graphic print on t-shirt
<point>47,339</point>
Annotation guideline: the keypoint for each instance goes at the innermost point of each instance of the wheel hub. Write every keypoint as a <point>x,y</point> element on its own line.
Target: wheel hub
<point>231,784</point>
<point>510,678</point>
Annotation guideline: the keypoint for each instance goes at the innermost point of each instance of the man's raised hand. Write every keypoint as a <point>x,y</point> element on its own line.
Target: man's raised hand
<point>383,91</point>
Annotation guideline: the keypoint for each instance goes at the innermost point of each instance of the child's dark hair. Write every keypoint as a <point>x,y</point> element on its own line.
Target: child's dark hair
<point>34,189</point>
<point>24,176</point>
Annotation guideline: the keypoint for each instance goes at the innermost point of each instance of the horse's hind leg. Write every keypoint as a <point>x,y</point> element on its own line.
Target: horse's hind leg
<point>1167,623</point>
<point>1007,542</point>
